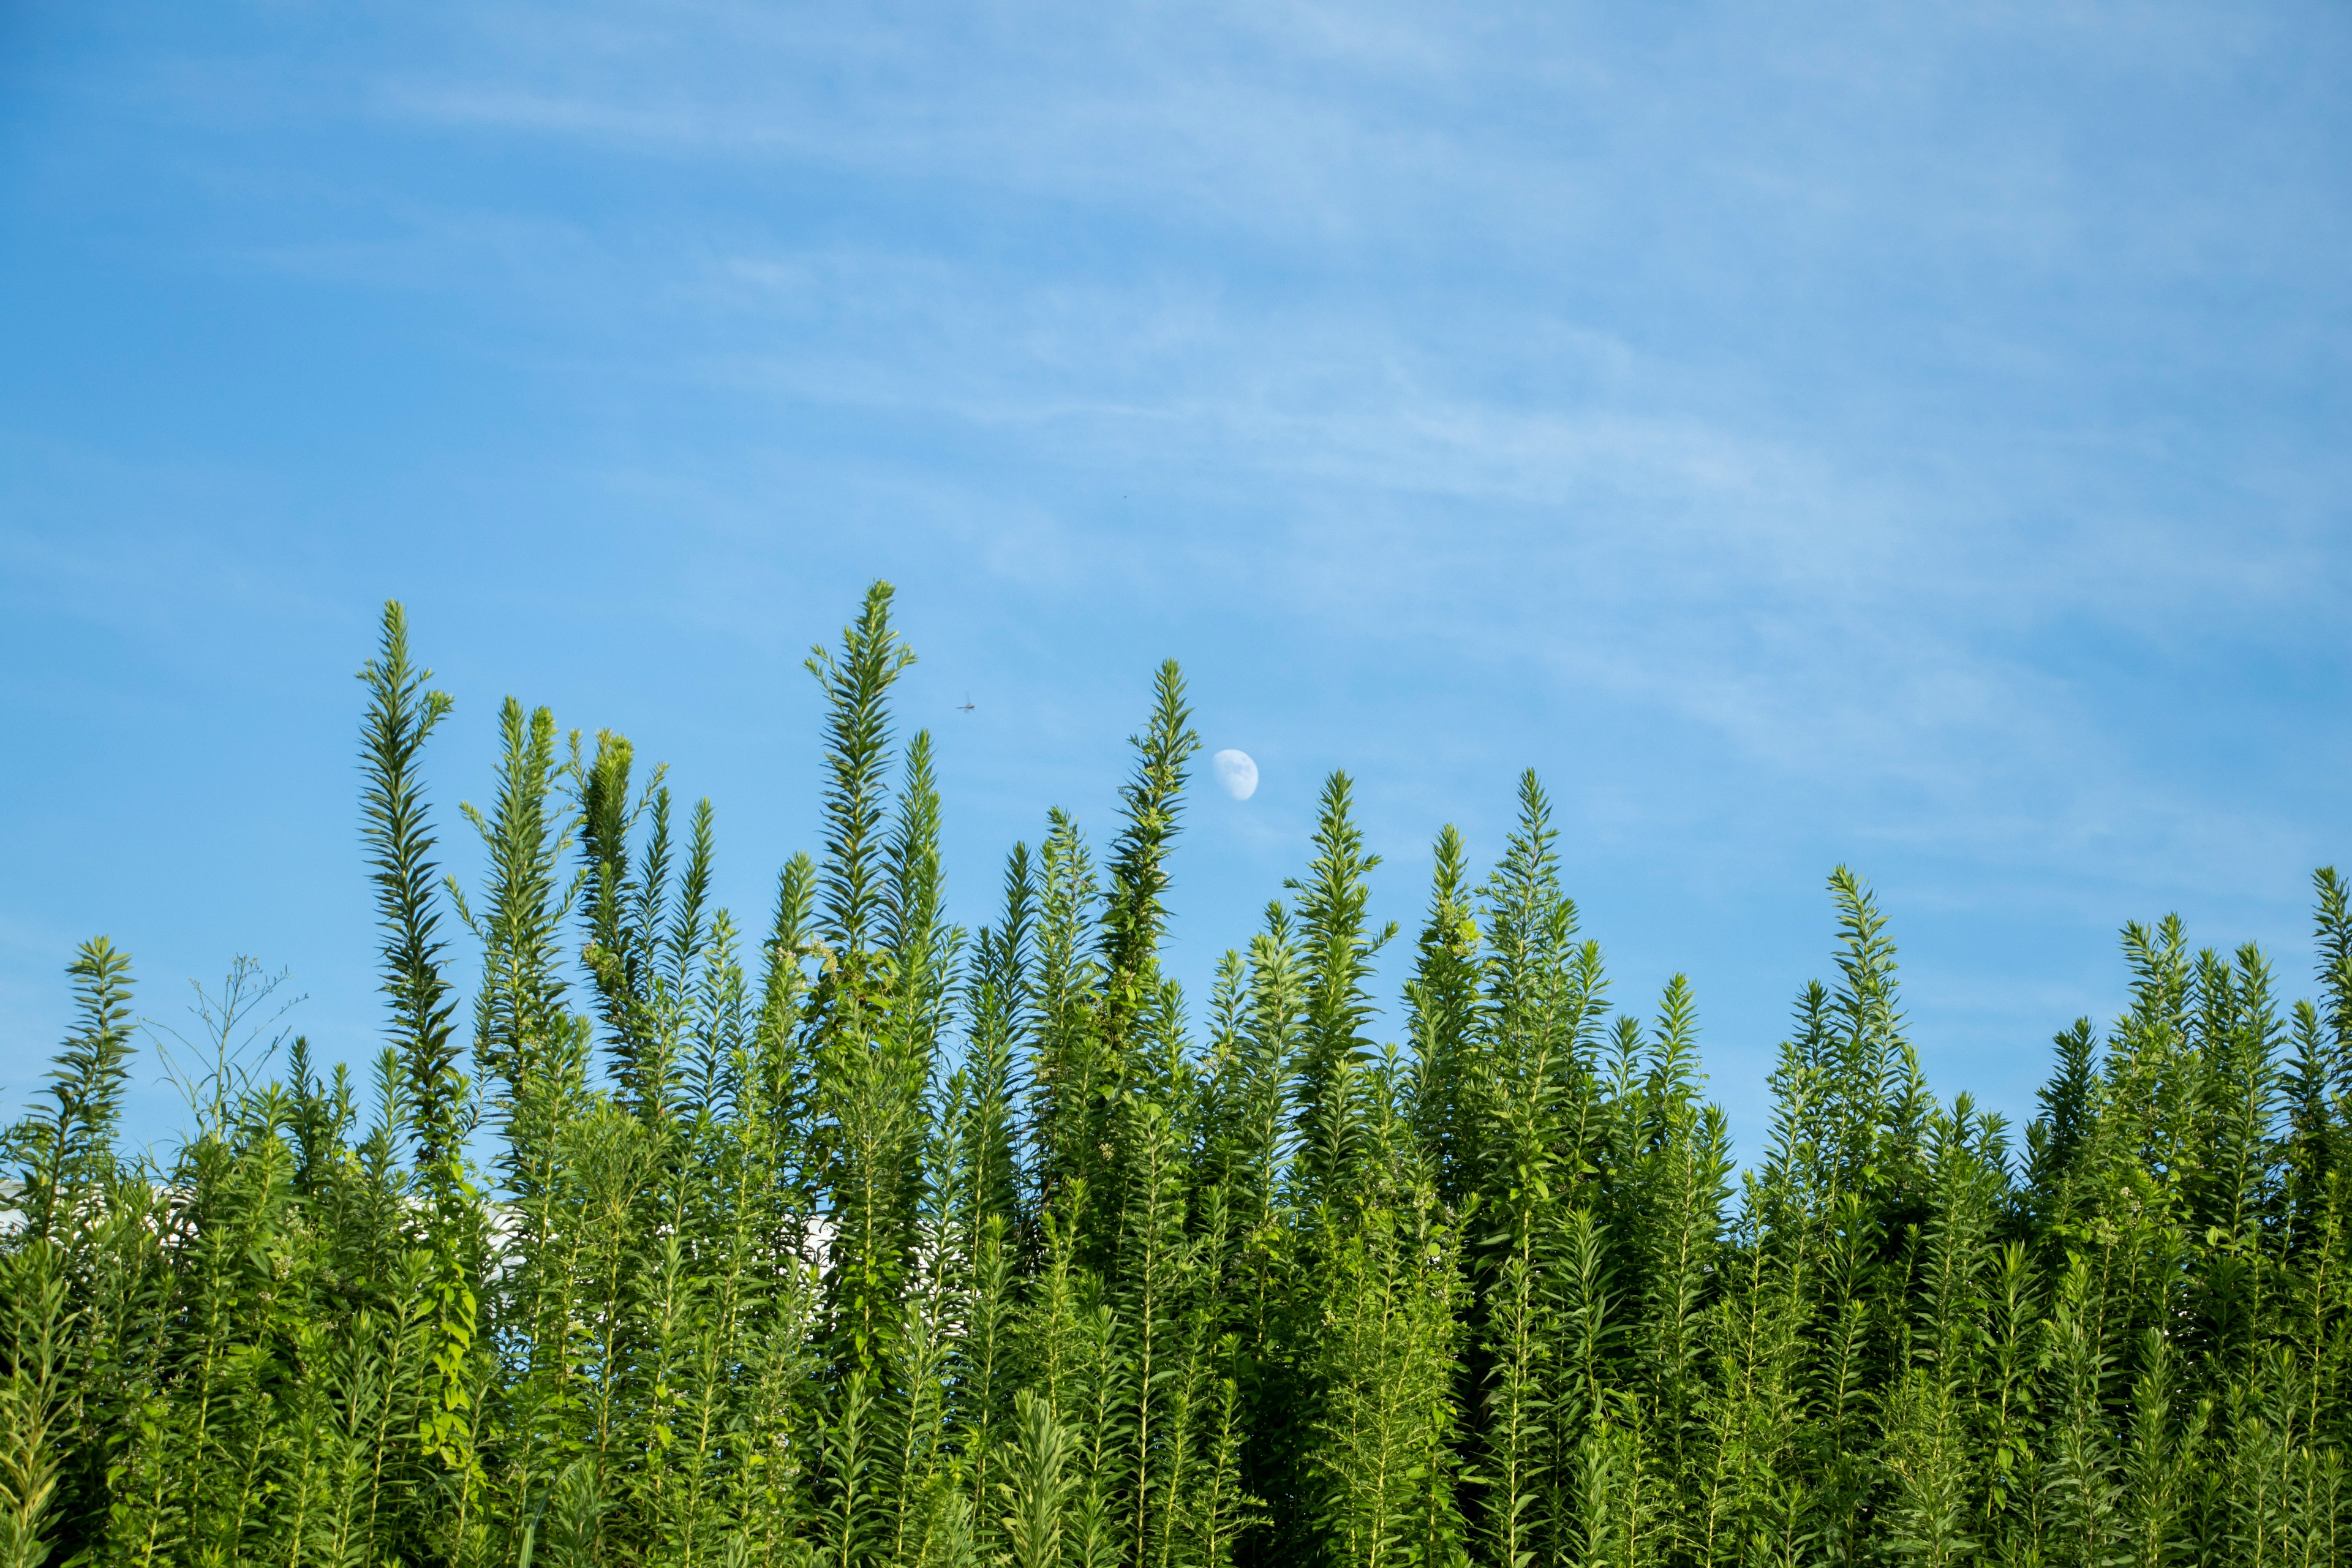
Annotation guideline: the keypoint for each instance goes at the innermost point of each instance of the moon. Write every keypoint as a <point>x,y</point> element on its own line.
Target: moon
<point>1236,772</point>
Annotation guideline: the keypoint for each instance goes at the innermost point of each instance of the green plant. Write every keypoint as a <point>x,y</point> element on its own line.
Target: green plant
<point>876,1241</point>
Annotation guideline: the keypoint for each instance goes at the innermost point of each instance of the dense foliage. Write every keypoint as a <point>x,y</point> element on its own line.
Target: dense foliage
<point>874,1240</point>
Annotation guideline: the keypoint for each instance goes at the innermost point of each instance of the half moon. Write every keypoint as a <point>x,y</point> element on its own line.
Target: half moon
<point>1236,773</point>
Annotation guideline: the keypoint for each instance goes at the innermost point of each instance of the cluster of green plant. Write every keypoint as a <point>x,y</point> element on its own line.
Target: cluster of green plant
<point>876,1240</point>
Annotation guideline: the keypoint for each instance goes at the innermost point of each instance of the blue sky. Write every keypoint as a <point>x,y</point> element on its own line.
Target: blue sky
<point>1911,436</point>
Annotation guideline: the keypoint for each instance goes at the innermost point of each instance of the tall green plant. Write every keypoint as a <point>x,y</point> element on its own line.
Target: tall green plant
<point>872,1244</point>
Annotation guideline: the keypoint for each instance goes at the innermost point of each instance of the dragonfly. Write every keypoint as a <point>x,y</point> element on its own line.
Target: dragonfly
<point>966,705</point>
